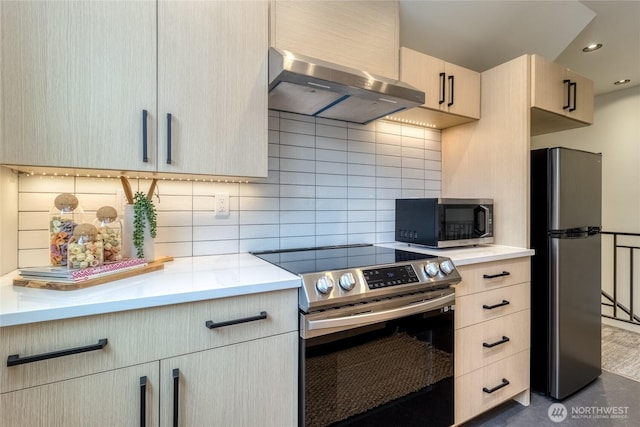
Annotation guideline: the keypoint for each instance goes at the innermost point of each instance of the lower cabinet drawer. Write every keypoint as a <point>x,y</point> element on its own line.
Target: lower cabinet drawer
<point>491,275</point>
<point>484,343</point>
<point>475,308</point>
<point>491,385</point>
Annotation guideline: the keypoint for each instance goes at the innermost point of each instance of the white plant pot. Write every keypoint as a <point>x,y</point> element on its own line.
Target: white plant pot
<point>128,249</point>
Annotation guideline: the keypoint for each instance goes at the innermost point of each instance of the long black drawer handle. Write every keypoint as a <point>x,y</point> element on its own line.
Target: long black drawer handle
<point>574,85</point>
<point>451,83</point>
<point>493,344</point>
<point>15,359</point>
<point>168,138</point>
<point>505,383</point>
<point>442,88</point>
<point>145,157</point>
<point>176,389</point>
<point>568,104</point>
<point>143,401</point>
<point>493,276</point>
<point>500,304</point>
<point>212,325</point>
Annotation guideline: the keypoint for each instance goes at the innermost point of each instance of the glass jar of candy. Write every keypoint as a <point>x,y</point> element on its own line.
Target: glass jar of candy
<point>110,232</point>
<point>85,247</point>
<point>64,216</point>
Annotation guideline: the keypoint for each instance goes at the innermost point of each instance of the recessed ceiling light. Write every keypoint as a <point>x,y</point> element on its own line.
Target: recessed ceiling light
<point>592,47</point>
<point>621,82</point>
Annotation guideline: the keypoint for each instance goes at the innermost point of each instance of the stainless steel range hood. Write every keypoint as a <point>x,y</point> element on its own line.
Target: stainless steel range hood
<point>303,85</point>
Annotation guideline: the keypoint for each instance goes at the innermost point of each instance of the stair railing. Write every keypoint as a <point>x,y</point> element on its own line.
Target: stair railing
<point>624,311</point>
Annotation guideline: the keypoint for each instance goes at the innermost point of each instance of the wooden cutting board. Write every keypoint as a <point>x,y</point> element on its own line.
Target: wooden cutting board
<point>61,286</point>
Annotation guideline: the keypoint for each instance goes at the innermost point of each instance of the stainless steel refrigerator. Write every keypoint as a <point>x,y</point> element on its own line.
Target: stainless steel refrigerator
<point>566,194</point>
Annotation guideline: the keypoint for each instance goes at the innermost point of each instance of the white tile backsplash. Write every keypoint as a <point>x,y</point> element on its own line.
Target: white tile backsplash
<point>330,183</point>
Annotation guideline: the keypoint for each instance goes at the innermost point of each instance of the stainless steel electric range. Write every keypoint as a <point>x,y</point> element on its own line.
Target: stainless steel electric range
<point>376,335</point>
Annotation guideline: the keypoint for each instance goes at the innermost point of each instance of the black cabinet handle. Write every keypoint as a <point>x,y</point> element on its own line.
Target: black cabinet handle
<point>212,325</point>
<point>451,83</point>
<point>442,88</point>
<point>500,304</point>
<point>504,383</point>
<point>143,401</point>
<point>493,276</point>
<point>168,138</point>
<point>568,104</point>
<point>493,344</point>
<point>15,359</point>
<point>574,85</point>
<point>176,389</point>
<point>145,157</point>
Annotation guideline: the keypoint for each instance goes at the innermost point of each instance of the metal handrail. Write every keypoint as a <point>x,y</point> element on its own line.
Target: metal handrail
<point>634,317</point>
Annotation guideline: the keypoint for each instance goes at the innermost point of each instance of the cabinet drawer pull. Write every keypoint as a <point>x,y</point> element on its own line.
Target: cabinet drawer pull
<point>143,401</point>
<point>442,88</point>
<point>15,359</point>
<point>493,344</point>
<point>568,104</point>
<point>505,383</point>
<point>451,82</point>
<point>145,157</point>
<point>493,276</point>
<point>176,389</point>
<point>168,138</point>
<point>212,325</point>
<point>500,304</point>
<point>574,85</point>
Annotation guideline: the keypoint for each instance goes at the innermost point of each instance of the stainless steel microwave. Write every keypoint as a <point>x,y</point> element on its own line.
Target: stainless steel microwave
<point>444,223</point>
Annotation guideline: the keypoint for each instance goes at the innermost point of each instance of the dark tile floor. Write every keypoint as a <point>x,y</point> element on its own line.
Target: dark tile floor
<point>609,394</point>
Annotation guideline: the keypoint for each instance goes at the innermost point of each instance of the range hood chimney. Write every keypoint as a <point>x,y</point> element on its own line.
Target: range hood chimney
<point>309,86</point>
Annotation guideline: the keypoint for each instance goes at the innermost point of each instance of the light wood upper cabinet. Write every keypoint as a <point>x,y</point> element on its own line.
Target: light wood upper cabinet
<point>452,92</point>
<point>212,79</point>
<point>75,79</point>
<point>448,87</point>
<point>358,34</point>
<point>560,98</point>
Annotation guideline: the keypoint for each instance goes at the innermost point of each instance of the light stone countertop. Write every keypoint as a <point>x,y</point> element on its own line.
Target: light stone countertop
<point>189,280</point>
<point>467,255</point>
<point>181,280</point>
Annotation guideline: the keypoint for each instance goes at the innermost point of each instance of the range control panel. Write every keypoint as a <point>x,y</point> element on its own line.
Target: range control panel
<point>390,276</point>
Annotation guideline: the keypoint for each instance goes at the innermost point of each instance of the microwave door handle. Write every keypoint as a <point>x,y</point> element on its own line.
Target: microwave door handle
<point>486,215</point>
<point>379,316</point>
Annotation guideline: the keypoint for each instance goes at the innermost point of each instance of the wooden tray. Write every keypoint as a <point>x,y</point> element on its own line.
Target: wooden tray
<point>60,286</point>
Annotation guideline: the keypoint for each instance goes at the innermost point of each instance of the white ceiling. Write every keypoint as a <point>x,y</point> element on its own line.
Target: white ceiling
<point>482,34</point>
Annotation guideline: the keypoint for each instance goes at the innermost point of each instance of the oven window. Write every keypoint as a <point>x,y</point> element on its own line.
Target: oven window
<point>399,372</point>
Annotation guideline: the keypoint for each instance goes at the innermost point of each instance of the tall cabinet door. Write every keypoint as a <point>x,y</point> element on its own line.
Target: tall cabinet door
<point>114,398</point>
<point>253,383</point>
<point>76,77</point>
<point>212,80</point>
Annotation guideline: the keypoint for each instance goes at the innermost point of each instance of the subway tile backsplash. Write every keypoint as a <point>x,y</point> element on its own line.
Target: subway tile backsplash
<point>329,183</point>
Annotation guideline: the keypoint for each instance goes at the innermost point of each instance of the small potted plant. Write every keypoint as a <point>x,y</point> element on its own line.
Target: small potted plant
<point>144,213</point>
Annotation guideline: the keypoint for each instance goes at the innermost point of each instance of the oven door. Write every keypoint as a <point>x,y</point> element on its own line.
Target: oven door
<point>365,366</point>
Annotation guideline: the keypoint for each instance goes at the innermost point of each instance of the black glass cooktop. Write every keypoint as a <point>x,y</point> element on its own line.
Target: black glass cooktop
<point>328,258</point>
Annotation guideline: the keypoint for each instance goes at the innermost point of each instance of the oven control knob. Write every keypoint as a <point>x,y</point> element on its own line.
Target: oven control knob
<point>324,285</point>
<point>347,281</point>
<point>432,269</point>
<point>447,267</point>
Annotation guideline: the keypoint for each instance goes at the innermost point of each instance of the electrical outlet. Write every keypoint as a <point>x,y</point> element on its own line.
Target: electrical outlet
<point>222,204</point>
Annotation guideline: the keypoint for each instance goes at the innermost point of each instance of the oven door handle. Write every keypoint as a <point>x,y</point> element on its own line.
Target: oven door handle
<point>380,316</point>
